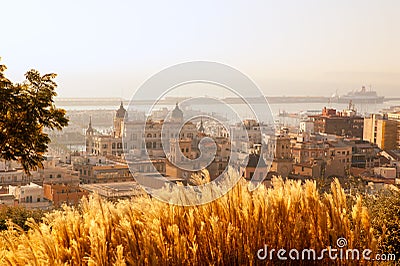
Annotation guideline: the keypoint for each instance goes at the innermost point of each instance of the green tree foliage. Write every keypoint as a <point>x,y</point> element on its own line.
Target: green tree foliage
<point>19,216</point>
<point>385,214</point>
<point>25,110</point>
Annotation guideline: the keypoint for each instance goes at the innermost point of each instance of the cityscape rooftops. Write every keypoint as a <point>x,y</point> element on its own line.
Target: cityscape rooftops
<point>395,154</point>
<point>254,159</point>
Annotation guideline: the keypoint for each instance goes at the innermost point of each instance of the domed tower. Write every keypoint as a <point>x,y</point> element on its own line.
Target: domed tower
<point>118,121</point>
<point>89,138</point>
<point>177,114</point>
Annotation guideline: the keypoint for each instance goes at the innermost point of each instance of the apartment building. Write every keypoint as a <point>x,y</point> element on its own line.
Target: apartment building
<point>346,123</point>
<point>30,196</point>
<point>379,130</point>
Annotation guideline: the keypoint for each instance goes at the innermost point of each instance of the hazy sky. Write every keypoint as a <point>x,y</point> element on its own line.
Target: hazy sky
<point>108,48</point>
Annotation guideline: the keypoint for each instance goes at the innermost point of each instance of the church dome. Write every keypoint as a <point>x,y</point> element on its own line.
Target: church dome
<point>121,111</point>
<point>177,114</point>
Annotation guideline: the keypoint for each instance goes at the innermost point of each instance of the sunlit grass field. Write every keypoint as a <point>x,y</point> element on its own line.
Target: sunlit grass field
<point>227,231</point>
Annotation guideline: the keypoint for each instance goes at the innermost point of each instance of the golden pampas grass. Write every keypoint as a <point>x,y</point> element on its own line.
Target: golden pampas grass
<point>227,231</point>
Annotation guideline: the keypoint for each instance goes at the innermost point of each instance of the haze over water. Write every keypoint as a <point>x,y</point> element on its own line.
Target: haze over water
<point>276,108</point>
<point>107,49</point>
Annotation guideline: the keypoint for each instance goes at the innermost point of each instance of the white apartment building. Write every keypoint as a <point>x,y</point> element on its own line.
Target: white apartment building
<point>30,196</point>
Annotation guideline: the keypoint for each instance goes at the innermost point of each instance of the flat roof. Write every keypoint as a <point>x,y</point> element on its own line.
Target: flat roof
<point>116,190</point>
<point>110,167</point>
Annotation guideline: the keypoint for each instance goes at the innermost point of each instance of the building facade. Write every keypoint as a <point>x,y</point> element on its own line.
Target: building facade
<point>344,123</point>
<point>30,196</point>
<point>379,130</point>
<point>60,194</point>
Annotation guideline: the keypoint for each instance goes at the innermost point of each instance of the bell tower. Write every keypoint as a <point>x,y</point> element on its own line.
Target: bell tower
<point>89,138</point>
<point>118,121</point>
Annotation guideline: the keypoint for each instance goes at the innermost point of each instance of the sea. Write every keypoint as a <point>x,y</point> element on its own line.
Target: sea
<point>242,111</point>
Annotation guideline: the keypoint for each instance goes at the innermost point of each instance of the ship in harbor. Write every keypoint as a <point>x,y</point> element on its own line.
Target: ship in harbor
<point>359,96</point>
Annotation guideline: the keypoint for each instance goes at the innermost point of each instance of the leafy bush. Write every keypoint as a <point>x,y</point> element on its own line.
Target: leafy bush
<point>18,216</point>
<point>385,219</point>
